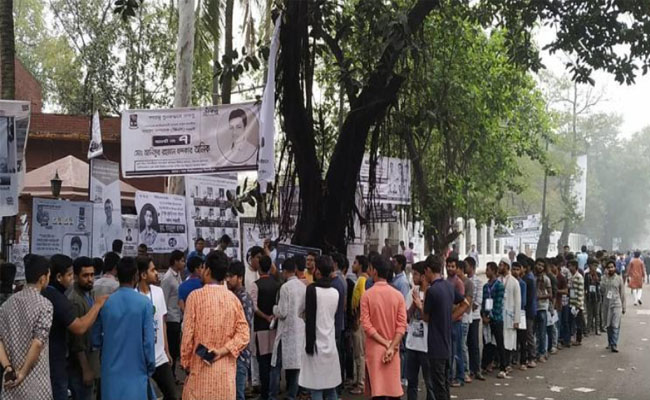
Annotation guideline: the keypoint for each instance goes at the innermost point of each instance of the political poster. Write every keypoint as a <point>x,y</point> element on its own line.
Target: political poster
<point>161,221</point>
<point>254,234</point>
<point>18,253</point>
<point>382,212</point>
<point>60,226</point>
<point>285,251</point>
<point>190,141</point>
<point>209,213</point>
<point>105,195</point>
<point>14,126</point>
<point>392,180</point>
<point>130,235</point>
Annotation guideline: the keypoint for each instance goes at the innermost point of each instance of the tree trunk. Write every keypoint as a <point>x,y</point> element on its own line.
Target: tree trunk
<point>215,73</point>
<point>544,239</point>
<point>8,87</point>
<point>226,83</point>
<point>184,68</point>
<point>184,54</point>
<point>327,209</point>
<point>564,237</point>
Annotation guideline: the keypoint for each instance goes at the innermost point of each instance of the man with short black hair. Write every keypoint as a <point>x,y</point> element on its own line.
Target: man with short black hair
<point>199,245</point>
<point>253,257</point>
<point>339,283</point>
<point>65,320</point>
<point>128,355</point>
<point>143,251</point>
<point>592,295</point>
<point>301,265</point>
<point>289,341</point>
<point>170,284</point>
<point>224,334</point>
<point>163,373</point>
<point>492,313</point>
<point>117,247</point>
<point>195,267</point>
<point>108,283</point>
<point>360,267</point>
<point>264,293</point>
<point>576,301</point>
<point>544,292</point>
<point>383,318</point>
<point>583,259</point>
<point>457,361</point>
<point>25,321</point>
<point>224,242</point>
<point>311,266</point>
<point>474,355</point>
<point>235,282</point>
<point>439,301</point>
<point>83,360</point>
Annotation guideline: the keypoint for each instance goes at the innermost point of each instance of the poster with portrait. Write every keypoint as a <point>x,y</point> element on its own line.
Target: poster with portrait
<point>105,196</point>
<point>18,253</point>
<point>190,141</point>
<point>130,235</point>
<point>60,226</point>
<point>209,213</point>
<point>14,126</point>
<point>254,234</point>
<point>392,180</point>
<point>161,221</point>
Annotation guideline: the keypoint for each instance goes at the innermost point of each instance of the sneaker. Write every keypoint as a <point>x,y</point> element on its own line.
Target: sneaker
<point>508,369</point>
<point>455,383</point>
<point>531,364</point>
<point>468,379</point>
<point>502,375</point>
<point>553,350</point>
<point>480,377</point>
<point>522,367</point>
<point>405,382</point>
<point>614,349</point>
<point>541,359</point>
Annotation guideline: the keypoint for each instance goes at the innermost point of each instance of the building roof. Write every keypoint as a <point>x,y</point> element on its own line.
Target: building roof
<point>73,173</point>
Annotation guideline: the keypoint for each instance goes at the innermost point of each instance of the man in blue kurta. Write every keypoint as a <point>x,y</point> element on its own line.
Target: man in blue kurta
<point>124,333</point>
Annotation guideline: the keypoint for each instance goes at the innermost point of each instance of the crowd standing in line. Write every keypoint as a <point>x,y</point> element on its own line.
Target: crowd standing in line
<point>222,329</point>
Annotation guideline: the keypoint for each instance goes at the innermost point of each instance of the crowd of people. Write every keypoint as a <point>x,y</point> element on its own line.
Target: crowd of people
<point>221,329</point>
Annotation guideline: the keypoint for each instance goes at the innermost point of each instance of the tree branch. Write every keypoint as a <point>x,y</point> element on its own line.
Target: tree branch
<point>336,50</point>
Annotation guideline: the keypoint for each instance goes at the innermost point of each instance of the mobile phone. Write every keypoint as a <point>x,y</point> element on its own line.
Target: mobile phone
<point>205,354</point>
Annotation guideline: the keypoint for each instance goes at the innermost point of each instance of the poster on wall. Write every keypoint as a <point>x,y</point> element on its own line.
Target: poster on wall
<point>18,253</point>
<point>392,180</point>
<point>254,234</point>
<point>161,221</point>
<point>130,235</point>
<point>285,251</point>
<point>60,226</point>
<point>190,141</point>
<point>209,213</point>
<point>105,195</point>
<point>14,126</point>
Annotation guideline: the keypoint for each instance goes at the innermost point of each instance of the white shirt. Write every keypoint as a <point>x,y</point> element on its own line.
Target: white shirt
<point>157,297</point>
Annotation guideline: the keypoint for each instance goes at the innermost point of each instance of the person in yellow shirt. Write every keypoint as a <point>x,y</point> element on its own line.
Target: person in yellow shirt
<point>360,268</point>
<point>311,265</point>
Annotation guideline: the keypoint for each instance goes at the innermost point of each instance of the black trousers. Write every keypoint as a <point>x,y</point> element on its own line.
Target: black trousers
<point>166,382</point>
<point>414,361</point>
<point>521,346</point>
<point>174,342</point>
<point>473,347</point>
<point>439,372</point>
<point>498,352</point>
<point>264,363</point>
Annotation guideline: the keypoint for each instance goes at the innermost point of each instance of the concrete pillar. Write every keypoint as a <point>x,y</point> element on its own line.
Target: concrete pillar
<point>500,247</point>
<point>493,244</point>
<point>484,247</point>
<point>460,241</point>
<point>471,231</point>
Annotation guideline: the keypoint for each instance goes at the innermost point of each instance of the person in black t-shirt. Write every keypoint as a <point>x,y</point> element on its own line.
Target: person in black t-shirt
<point>61,278</point>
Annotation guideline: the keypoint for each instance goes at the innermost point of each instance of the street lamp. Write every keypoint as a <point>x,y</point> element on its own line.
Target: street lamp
<point>55,185</point>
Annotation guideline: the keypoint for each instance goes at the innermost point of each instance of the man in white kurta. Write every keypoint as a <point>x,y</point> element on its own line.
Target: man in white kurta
<point>290,338</point>
<point>511,306</point>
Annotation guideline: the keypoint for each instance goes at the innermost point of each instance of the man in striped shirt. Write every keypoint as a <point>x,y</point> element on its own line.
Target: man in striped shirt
<point>576,300</point>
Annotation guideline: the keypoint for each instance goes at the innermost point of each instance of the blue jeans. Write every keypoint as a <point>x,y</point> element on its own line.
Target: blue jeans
<point>540,330</point>
<point>77,387</point>
<point>612,336</point>
<point>565,325</point>
<point>324,394</point>
<point>458,372</point>
<point>291,376</point>
<point>242,375</point>
<point>60,386</point>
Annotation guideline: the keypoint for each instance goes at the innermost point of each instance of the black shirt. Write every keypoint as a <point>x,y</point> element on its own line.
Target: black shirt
<point>441,296</point>
<point>62,317</point>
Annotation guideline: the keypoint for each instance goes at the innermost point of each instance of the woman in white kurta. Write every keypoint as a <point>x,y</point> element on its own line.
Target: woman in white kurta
<point>321,371</point>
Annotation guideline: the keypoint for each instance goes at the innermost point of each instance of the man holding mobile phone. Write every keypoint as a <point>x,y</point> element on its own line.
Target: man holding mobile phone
<point>214,320</point>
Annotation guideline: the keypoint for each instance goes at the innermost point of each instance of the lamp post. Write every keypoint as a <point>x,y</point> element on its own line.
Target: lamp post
<point>55,185</point>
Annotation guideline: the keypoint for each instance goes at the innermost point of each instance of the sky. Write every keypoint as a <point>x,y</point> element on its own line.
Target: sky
<point>631,102</point>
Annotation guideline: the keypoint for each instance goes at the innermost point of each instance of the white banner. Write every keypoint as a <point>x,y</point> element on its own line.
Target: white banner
<point>105,195</point>
<point>266,168</point>
<point>190,141</point>
<point>95,149</point>
<point>18,253</point>
<point>392,182</point>
<point>579,189</point>
<point>60,226</point>
<point>161,221</point>
<point>254,234</point>
<point>14,126</point>
<point>208,211</point>
<point>130,235</point>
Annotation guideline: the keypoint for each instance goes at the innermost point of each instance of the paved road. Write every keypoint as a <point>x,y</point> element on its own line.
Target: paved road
<point>586,372</point>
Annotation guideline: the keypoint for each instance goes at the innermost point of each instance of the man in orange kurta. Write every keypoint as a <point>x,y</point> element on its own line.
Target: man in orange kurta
<point>214,318</point>
<point>636,276</point>
<point>383,318</point>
